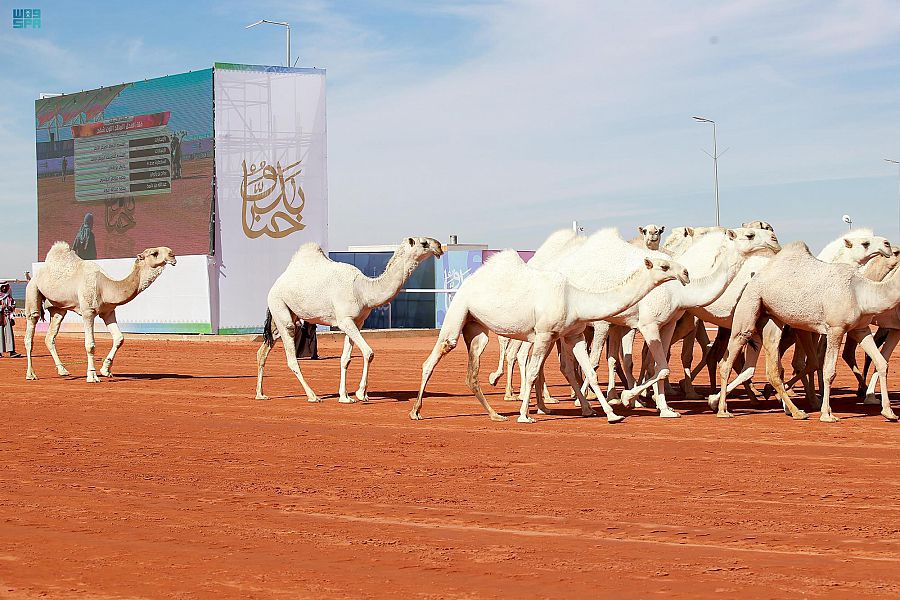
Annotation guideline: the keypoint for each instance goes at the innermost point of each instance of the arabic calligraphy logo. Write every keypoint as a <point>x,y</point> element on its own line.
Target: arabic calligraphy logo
<point>120,214</point>
<point>273,199</point>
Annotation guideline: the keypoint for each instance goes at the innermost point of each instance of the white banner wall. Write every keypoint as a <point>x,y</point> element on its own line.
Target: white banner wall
<point>271,189</point>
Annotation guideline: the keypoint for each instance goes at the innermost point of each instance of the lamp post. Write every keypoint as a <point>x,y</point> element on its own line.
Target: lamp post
<point>896,162</point>
<point>715,156</point>
<point>287,27</point>
<point>846,219</point>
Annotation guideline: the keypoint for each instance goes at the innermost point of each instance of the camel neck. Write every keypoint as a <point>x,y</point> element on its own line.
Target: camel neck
<point>598,306</point>
<point>706,288</point>
<point>875,297</point>
<point>382,289</point>
<point>120,291</point>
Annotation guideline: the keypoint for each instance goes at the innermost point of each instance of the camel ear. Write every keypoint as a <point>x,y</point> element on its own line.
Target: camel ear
<point>848,243</point>
<point>648,263</point>
<point>642,231</point>
<point>411,241</point>
<point>688,232</point>
<point>732,234</point>
<point>661,229</point>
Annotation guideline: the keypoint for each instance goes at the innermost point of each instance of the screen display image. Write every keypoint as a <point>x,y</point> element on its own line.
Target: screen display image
<point>127,167</point>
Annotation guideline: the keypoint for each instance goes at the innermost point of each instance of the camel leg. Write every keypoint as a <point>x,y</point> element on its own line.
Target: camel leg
<point>775,372</point>
<point>286,329</point>
<point>832,347</point>
<point>736,343</point>
<point>29,342</point>
<point>441,348</point>
<point>541,346</point>
<point>881,368</point>
<point>656,341</point>
<point>893,336</point>
<point>714,354</point>
<point>522,355</point>
<point>89,346</point>
<point>352,330</point>
<point>687,356</point>
<point>578,347</point>
<point>848,354</point>
<point>345,363</point>
<point>567,366</point>
<point>117,340</point>
<point>601,333</point>
<point>880,338</point>
<point>56,318</point>
<point>494,377</point>
<point>261,355</point>
<point>476,337</point>
<point>512,358</point>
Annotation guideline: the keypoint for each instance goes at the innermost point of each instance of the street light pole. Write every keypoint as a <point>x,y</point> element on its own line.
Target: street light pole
<point>715,156</point>
<point>896,162</point>
<point>287,27</point>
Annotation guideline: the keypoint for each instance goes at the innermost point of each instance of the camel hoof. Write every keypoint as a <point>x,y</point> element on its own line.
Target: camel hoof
<point>829,418</point>
<point>615,418</point>
<point>592,413</point>
<point>511,398</point>
<point>713,401</point>
<point>362,396</point>
<point>768,390</point>
<point>103,372</point>
<point>800,416</point>
<point>262,397</point>
<point>522,419</point>
<point>415,416</point>
<point>615,401</point>
<point>64,372</point>
<point>30,376</point>
<point>92,377</point>
<point>889,415</point>
<point>499,418</point>
<point>669,414</point>
<point>725,415</point>
<point>590,395</point>
<point>613,394</point>
<point>545,411</point>
<point>493,378</point>
<point>313,399</point>
<point>347,399</point>
<point>550,400</point>
<point>871,399</point>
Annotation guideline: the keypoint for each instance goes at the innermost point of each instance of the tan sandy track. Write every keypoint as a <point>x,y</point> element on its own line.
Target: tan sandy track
<point>174,482</point>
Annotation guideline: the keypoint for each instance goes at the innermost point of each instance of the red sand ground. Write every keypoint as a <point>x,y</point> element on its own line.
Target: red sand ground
<point>170,480</point>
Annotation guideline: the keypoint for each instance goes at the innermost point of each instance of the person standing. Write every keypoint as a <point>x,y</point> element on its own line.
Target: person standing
<point>7,308</point>
<point>84,245</point>
<point>65,166</point>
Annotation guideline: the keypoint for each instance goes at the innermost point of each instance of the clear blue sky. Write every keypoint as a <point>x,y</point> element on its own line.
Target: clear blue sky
<point>501,121</point>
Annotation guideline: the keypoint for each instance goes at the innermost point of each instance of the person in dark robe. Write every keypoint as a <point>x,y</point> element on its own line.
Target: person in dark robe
<point>84,245</point>
<point>305,341</point>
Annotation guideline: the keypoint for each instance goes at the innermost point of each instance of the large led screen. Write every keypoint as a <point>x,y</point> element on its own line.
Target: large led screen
<point>127,167</point>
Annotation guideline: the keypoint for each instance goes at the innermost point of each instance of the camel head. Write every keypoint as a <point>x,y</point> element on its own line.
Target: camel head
<point>422,247</point>
<point>749,241</point>
<point>664,270</point>
<point>759,225</point>
<point>864,248</point>
<point>652,235</point>
<point>679,240</point>
<point>157,257</point>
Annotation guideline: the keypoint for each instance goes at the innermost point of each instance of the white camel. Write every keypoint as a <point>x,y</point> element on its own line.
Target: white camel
<point>797,289</point>
<point>715,259</point>
<point>650,236</point>
<point>539,306</point>
<point>319,290</point>
<point>66,282</point>
<point>857,248</point>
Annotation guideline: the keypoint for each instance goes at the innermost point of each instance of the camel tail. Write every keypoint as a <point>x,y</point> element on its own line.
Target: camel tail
<point>268,337</point>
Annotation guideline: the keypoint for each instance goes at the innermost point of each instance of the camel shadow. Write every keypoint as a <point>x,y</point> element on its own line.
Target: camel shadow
<point>156,376</point>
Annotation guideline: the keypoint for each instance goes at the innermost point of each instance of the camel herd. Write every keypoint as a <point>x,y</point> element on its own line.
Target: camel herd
<point>579,295</point>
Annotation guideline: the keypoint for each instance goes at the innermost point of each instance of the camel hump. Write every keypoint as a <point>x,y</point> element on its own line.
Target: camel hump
<point>310,249</point>
<point>59,250</point>
<point>505,257</point>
